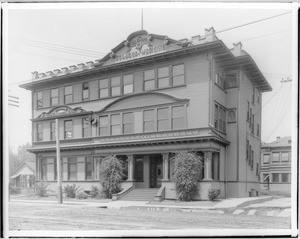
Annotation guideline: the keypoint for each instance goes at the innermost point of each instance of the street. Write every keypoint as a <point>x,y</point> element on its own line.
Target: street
<point>39,216</point>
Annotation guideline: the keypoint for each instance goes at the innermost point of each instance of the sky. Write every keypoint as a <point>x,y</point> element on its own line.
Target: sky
<point>43,37</point>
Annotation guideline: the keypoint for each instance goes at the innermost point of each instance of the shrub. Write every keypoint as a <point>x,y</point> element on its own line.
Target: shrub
<point>41,189</point>
<point>82,195</point>
<point>71,191</point>
<point>214,193</point>
<point>187,169</point>
<point>111,173</point>
<point>95,192</point>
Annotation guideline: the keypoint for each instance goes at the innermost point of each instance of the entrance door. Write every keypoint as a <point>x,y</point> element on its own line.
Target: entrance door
<point>156,170</point>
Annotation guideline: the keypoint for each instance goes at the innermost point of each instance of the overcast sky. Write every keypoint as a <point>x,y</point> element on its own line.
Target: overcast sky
<point>50,38</point>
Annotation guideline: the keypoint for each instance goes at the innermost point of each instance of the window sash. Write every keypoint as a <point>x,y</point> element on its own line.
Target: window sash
<point>275,157</point>
<point>266,158</point>
<point>53,130</point>
<point>40,132</point>
<point>284,177</point>
<point>68,129</point>
<point>284,156</point>
<point>88,168</point>
<point>149,85</point>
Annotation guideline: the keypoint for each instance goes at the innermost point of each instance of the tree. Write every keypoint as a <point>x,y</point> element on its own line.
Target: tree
<point>23,153</point>
<point>14,161</point>
<point>187,171</point>
<point>111,173</point>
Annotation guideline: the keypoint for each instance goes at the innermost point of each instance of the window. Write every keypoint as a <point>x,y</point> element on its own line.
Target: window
<point>128,123</point>
<point>247,149</point>
<point>115,86</point>
<point>231,115</point>
<point>253,95</point>
<point>258,130</point>
<point>72,168</point>
<point>103,88</point>
<point>284,156</point>
<point>68,94</point>
<point>266,158</point>
<point>219,81</point>
<point>220,118</point>
<point>115,124</point>
<point>149,80</point>
<point>163,77</point>
<point>40,132</point>
<point>88,168</point>
<point>139,169</point>
<point>250,117</point>
<point>86,127</point>
<point>104,125</point>
<point>232,79</point>
<point>252,158</point>
<point>252,125</point>
<point>44,169</point>
<point>149,120</point>
<point>178,113</point>
<point>54,97</point>
<point>39,99</point>
<point>284,177</point>
<point>275,157</point>
<point>248,111</point>
<point>275,177</point>
<point>257,169</point>
<point>53,130</point>
<point>178,75</point>
<point>258,98</point>
<point>163,119</point>
<point>68,126</point>
<point>85,91</point>
<point>128,84</point>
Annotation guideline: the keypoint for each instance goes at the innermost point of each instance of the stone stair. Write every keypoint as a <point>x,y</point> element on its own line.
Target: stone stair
<point>140,194</point>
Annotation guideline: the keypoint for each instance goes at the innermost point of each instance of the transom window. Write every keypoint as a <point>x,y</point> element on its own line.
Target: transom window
<point>39,99</point>
<point>128,124</point>
<point>85,91</point>
<point>104,125</point>
<point>178,75</point>
<point>68,94</point>
<point>115,86</point>
<point>54,97</point>
<point>68,126</point>
<point>163,77</point>
<point>149,80</point>
<point>128,84</point>
<point>40,132</point>
<point>104,88</point>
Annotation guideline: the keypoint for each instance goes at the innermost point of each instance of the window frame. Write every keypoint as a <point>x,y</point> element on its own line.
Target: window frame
<point>181,117</point>
<point>52,131</point>
<point>273,157</point>
<point>72,157</point>
<point>39,99</point>
<point>86,89</point>
<point>221,117</point>
<point>55,97</point>
<point>43,174</point>
<point>116,86</point>
<point>152,79</point>
<point>163,119</point>
<point>288,177</point>
<point>277,181</point>
<point>108,88</point>
<point>153,120</point>
<point>87,128</point>
<point>118,124</point>
<point>125,84</point>
<point>70,94</point>
<point>65,131</point>
<point>125,123</point>
<point>288,156</point>
<point>106,126</point>
<point>236,73</point>
<point>263,159</point>
<point>39,131</point>
<point>183,74</point>
<point>164,77</point>
<point>88,160</point>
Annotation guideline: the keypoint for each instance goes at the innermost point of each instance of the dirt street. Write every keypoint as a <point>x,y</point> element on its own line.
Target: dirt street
<point>30,216</point>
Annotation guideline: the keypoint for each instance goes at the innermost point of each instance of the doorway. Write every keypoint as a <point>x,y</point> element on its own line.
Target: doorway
<point>156,170</point>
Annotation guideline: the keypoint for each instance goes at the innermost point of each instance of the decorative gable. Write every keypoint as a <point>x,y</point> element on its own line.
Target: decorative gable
<point>139,44</point>
<point>61,110</point>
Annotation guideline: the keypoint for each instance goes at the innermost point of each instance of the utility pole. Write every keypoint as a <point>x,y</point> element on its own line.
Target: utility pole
<point>58,163</point>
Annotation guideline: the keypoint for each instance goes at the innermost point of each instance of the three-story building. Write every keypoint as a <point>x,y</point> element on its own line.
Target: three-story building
<point>146,99</point>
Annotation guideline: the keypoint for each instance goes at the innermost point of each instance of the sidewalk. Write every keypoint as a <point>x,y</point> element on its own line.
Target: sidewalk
<point>196,205</point>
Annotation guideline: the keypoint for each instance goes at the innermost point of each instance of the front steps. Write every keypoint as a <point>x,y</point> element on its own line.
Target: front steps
<point>140,194</point>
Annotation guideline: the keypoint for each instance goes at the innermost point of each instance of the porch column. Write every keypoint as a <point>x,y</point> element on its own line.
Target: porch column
<point>130,167</point>
<point>165,166</point>
<point>207,166</point>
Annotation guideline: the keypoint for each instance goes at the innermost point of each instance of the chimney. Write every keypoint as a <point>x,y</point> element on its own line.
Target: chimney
<point>277,138</point>
<point>210,34</point>
<point>237,49</point>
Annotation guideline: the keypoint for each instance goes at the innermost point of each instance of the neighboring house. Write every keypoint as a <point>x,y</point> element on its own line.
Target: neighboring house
<point>24,175</point>
<point>275,168</point>
<point>150,96</point>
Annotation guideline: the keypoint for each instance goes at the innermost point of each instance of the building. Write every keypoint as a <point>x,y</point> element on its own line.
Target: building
<point>150,96</point>
<point>275,168</point>
<point>23,177</point>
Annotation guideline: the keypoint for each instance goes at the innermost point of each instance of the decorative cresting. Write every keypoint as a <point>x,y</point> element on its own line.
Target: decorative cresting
<point>141,100</point>
<point>61,110</point>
